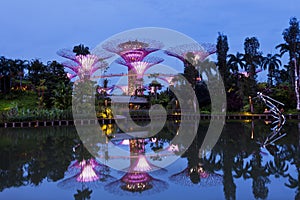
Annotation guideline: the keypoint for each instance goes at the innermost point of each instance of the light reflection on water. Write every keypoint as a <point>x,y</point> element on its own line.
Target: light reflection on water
<point>50,163</point>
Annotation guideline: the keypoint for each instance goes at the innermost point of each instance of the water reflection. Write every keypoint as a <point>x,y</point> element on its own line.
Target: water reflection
<point>85,174</point>
<point>40,156</point>
<point>137,179</point>
<point>90,174</point>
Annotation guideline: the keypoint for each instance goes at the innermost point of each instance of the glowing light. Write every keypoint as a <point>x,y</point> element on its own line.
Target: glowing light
<point>139,67</point>
<point>173,148</point>
<point>142,165</point>
<point>82,65</point>
<point>87,174</point>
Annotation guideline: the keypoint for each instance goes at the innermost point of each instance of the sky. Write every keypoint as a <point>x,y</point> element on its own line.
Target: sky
<point>37,29</point>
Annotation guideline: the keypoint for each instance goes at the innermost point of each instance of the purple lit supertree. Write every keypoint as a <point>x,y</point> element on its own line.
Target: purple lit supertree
<point>132,50</point>
<point>83,66</point>
<point>200,51</point>
<point>133,53</point>
<point>139,67</point>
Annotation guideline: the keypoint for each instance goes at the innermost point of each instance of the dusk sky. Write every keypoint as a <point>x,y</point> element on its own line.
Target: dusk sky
<point>37,29</point>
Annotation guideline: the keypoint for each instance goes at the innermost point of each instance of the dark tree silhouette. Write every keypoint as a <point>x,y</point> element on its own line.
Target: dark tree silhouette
<point>222,49</point>
<point>291,46</point>
<point>272,63</point>
<point>81,50</point>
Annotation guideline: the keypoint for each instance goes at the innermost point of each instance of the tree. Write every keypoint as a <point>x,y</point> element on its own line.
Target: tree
<point>81,50</point>
<point>36,71</point>
<point>235,93</point>
<point>4,74</point>
<point>190,72</point>
<point>222,49</point>
<point>291,46</point>
<point>58,85</point>
<point>272,63</point>
<point>153,87</point>
<point>252,56</point>
<point>235,62</point>
<point>252,59</point>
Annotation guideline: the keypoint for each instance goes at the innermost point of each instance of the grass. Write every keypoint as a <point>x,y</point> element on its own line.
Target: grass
<point>26,101</point>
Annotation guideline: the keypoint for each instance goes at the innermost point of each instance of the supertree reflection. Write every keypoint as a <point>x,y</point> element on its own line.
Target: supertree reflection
<point>137,179</point>
<point>90,174</point>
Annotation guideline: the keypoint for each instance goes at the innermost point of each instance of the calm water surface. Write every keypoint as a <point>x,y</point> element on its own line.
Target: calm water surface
<point>51,163</point>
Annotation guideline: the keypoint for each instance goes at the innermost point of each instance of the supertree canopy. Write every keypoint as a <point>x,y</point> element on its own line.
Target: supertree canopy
<point>200,51</point>
<point>83,66</point>
<point>139,67</point>
<point>132,50</point>
<point>133,55</point>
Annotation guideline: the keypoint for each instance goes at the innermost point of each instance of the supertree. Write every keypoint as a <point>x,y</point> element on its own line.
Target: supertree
<point>192,55</point>
<point>132,50</point>
<point>199,51</point>
<point>83,66</point>
<point>133,53</point>
<point>139,67</point>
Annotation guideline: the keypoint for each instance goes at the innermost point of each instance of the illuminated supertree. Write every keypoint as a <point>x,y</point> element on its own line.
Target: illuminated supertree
<point>83,66</point>
<point>200,51</point>
<point>139,67</point>
<point>132,50</point>
<point>133,53</point>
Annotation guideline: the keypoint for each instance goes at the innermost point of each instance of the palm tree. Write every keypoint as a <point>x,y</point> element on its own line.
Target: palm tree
<point>21,65</point>
<point>154,86</point>
<point>291,46</point>
<point>272,63</point>
<point>259,175</point>
<point>236,61</point>
<point>81,50</point>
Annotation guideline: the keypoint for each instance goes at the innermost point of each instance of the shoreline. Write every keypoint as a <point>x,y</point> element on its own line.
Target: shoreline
<point>45,123</point>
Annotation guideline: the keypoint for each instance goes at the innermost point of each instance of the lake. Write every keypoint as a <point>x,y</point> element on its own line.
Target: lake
<point>55,163</point>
